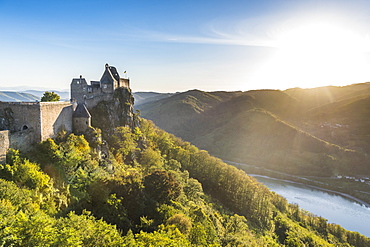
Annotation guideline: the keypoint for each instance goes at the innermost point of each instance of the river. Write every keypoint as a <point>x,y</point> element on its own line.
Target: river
<point>336,209</point>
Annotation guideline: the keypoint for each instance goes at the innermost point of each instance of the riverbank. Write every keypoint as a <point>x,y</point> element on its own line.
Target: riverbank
<point>317,188</point>
<point>280,176</point>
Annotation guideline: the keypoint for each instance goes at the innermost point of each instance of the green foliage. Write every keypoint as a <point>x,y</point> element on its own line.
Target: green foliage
<point>63,160</point>
<point>318,132</point>
<point>123,143</point>
<point>24,173</point>
<point>162,186</point>
<point>49,97</point>
<point>151,160</point>
<point>165,236</point>
<point>182,223</point>
<point>148,192</point>
<point>85,230</point>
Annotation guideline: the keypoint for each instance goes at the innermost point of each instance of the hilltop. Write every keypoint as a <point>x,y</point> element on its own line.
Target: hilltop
<point>121,181</point>
<point>146,97</point>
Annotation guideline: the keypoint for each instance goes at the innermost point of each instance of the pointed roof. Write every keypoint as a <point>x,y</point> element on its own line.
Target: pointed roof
<point>110,74</point>
<point>81,111</point>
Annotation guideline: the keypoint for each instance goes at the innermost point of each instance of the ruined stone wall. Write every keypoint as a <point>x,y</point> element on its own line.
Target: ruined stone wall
<point>32,122</point>
<point>55,116</point>
<point>93,101</point>
<point>17,116</point>
<point>22,140</point>
<point>4,145</point>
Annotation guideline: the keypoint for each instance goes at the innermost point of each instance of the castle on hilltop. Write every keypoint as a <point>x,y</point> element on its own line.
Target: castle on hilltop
<point>97,91</point>
<point>25,123</point>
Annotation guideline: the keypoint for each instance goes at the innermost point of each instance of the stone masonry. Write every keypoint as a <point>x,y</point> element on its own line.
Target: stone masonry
<point>24,123</point>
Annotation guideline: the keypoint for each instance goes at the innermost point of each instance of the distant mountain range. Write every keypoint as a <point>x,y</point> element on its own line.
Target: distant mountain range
<point>35,95</point>
<point>17,97</point>
<point>320,132</point>
<point>29,95</point>
<point>147,97</point>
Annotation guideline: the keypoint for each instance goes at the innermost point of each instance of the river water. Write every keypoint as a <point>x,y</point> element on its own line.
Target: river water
<point>336,209</point>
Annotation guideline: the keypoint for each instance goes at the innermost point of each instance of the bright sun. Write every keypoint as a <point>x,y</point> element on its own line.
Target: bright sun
<point>316,54</point>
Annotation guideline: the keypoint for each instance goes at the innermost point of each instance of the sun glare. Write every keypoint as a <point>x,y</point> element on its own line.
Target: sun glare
<point>316,54</point>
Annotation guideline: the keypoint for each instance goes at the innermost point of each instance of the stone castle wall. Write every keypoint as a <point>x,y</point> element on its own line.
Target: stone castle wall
<point>93,101</point>
<point>55,116</point>
<point>4,144</point>
<point>16,116</point>
<point>25,123</point>
<point>91,96</point>
<point>22,140</point>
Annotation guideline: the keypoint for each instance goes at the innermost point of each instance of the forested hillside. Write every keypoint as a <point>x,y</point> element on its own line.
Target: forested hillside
<point>321,131</point>
<point>148,188</point>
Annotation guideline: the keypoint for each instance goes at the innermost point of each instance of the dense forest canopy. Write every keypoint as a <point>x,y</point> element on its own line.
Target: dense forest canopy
<point>145,187</point>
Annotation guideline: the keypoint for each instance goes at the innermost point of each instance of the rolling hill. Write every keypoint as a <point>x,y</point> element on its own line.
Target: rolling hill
<point>319,132</point>
<point>29,95</point>
<point>146,97</point>
<point>17,96</point>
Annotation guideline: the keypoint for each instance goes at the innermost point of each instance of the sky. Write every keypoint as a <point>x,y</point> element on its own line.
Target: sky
<point>174,46</point>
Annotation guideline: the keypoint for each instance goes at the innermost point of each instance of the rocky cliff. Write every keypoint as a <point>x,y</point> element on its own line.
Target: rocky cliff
<point>117,112</point>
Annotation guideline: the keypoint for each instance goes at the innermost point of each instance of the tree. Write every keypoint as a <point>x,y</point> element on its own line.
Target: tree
<point>182,223</point>
<point>162,186</point>
<point>50,96</point>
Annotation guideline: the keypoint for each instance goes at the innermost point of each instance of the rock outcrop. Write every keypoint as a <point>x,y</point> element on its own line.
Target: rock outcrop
<point>116,112</point>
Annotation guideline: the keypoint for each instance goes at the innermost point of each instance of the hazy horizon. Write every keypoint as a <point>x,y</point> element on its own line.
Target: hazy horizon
<point>176,46</point>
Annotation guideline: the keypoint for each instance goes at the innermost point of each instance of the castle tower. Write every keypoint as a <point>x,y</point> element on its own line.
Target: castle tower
<point>79,90</point>
<point>110,79</point>
<point>81,119</point>
<point>97,91</point>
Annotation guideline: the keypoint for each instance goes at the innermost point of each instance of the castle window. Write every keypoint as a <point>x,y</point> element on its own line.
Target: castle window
<point>105,86</point>
<point>24,127</point>
<point>87,122</point>
<point>89,89</point>
<point>76,121</point>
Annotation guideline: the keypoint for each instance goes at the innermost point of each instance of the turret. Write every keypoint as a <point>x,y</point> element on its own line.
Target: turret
<point>81,118</point>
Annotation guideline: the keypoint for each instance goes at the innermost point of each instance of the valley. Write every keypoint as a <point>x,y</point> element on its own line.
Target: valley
<point>320,135</point>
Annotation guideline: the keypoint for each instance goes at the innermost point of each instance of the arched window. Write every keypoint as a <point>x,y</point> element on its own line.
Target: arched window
<point>24,127</point>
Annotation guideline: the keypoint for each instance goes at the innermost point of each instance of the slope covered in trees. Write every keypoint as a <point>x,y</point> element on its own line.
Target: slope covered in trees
<point>321,131</point>
<point>145,187</point>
